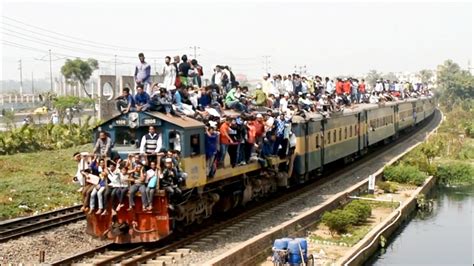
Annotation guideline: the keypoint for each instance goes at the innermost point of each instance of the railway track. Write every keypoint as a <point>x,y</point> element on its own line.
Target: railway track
<point>27,225</point>
<point>174,248</point>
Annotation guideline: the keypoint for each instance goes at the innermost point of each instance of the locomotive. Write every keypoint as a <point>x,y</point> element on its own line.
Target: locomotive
<point>320,143</point>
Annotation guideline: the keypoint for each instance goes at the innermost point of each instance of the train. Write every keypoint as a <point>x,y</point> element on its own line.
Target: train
<point>321,143</point>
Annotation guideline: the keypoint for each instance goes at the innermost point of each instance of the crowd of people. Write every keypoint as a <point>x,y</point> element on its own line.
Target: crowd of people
<point>258,127</point>
<point>106,179</point>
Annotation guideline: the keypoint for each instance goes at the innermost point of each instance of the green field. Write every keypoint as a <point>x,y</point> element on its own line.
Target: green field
<point>37,182</point>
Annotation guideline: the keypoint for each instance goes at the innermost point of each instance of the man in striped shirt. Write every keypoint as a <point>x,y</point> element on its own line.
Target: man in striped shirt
<point>151,143</point>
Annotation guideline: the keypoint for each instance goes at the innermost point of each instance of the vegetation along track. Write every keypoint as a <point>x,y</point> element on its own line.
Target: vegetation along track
<point>178,245</point>
<point>27,225</point>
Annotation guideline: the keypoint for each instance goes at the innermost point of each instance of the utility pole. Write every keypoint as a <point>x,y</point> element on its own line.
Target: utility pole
<point>300,69</point>
<point>32,85</point>
<point>195,48</point>
<point>115,71</point>
<point>21,78</point>
<point>266,63</point>
<point>50,71</point>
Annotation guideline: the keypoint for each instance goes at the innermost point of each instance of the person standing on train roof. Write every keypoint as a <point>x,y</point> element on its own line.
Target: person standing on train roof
<point>361,91</point>
<point>151,143</point>
<point>125,102</point>
<point>142,99</point>
<point>339,87</point>
<point>143,73</point>
<point>183,70</point>
<point>347,86</point>
<point>169,73</point>
<point>329,86</point>
<point>103,145</point>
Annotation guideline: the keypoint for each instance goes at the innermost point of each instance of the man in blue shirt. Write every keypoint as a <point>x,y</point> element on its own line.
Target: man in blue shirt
<point>125,102</point>
<point>142,99</point>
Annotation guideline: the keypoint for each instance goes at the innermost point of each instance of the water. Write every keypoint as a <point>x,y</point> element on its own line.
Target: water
<point>441,237</point>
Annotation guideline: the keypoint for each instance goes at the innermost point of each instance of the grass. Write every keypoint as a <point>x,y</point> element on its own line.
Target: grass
<point>37,182</point>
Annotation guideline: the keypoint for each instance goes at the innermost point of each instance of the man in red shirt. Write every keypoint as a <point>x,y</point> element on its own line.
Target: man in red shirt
<point>225,139</point>
<point>339,85</point>
<point>251,139</point>
<point>259,128</point>
<point>347,87</point>
<point>361,90</point>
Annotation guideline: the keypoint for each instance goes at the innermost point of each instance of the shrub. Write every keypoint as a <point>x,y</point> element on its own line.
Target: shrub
<point>407,174</point>
<point>338,220</point>
<point>360,209</point>
<point>387,187</point>
<point>456,173</point>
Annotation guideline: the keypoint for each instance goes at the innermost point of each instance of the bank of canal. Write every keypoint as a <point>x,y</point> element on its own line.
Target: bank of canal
<point>443,236</point>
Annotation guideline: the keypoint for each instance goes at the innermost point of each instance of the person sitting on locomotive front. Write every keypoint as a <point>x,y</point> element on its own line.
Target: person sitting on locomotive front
<point>125,102</point>
<point>98,191</point>
<point>169,182</point>
<point>151,143</point>
<point>122,190</point>
<point>113,179</point>
<point>151,181</point>
<point>91,181</point>
<point>103,145</point>
<point>142,99</point>
<point>82,160</point>
<point>138,179</point>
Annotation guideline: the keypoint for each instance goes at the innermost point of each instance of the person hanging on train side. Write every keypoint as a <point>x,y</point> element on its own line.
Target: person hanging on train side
<point>151,185</point>
<point>168,182</point>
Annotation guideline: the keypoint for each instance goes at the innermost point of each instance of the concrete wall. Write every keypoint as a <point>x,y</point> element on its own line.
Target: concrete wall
<point>106,106</point>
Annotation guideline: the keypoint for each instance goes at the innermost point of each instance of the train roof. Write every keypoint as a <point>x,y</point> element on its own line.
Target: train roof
<point>185,122</point>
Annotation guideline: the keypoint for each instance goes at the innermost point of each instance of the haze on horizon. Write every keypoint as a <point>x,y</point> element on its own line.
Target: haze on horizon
<point>328,38</point>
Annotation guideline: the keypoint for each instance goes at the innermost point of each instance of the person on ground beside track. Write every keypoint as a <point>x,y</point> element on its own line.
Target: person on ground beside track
<point>143,73</point>
<point>142,99</point>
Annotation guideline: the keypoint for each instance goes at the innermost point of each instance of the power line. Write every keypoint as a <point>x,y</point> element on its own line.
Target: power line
<point>104,45</point>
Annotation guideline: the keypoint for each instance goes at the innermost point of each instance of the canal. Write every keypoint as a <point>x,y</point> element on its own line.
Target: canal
<point>443,236</point>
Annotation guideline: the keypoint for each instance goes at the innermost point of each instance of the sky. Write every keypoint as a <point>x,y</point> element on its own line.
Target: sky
<point>325,38</point>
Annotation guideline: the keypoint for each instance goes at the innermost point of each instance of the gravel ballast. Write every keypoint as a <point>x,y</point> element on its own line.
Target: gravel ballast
<point>58,243</point>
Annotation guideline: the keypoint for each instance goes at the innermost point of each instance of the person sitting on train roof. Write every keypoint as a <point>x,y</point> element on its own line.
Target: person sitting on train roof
<point>152,142</point>
<point>137,180</point>
<point>142,99</point>
<point>103,145</point>
<point>125,102</point>
<point>182,103</point>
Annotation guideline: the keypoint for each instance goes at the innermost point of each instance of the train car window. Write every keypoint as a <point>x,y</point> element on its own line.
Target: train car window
<point>340,134</point>
<point>195,145</point>
<point>329,137</point>
<point>345,132</point>
<point>334,136</point>
<point>350,131</point>
<point>174,140</point>
<point>317,141</point>
<point>356,131</point>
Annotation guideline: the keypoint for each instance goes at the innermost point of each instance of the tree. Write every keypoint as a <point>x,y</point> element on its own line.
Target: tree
<point>425,76</point>
<point>454,84</point>
<point>80,71</point>
<point>390,76</point>
<point>372,77</point>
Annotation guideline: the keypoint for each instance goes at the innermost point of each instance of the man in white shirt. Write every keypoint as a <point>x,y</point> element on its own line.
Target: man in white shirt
<point>151,143</point>
<point>82,164</point>
<point>267,85</point>
<point>288,83</point>
<point>169,73</point>
<point>329,86</point>
<point>284,102</point>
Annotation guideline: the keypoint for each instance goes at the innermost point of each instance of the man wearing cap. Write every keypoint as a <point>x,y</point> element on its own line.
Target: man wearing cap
<point>260,96</point>
<point>169,73</point>
<point>143,73</point>
<point>168,181</point>
<point>151,143</point>
<point>82,160</point>
<point>284,102</point>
